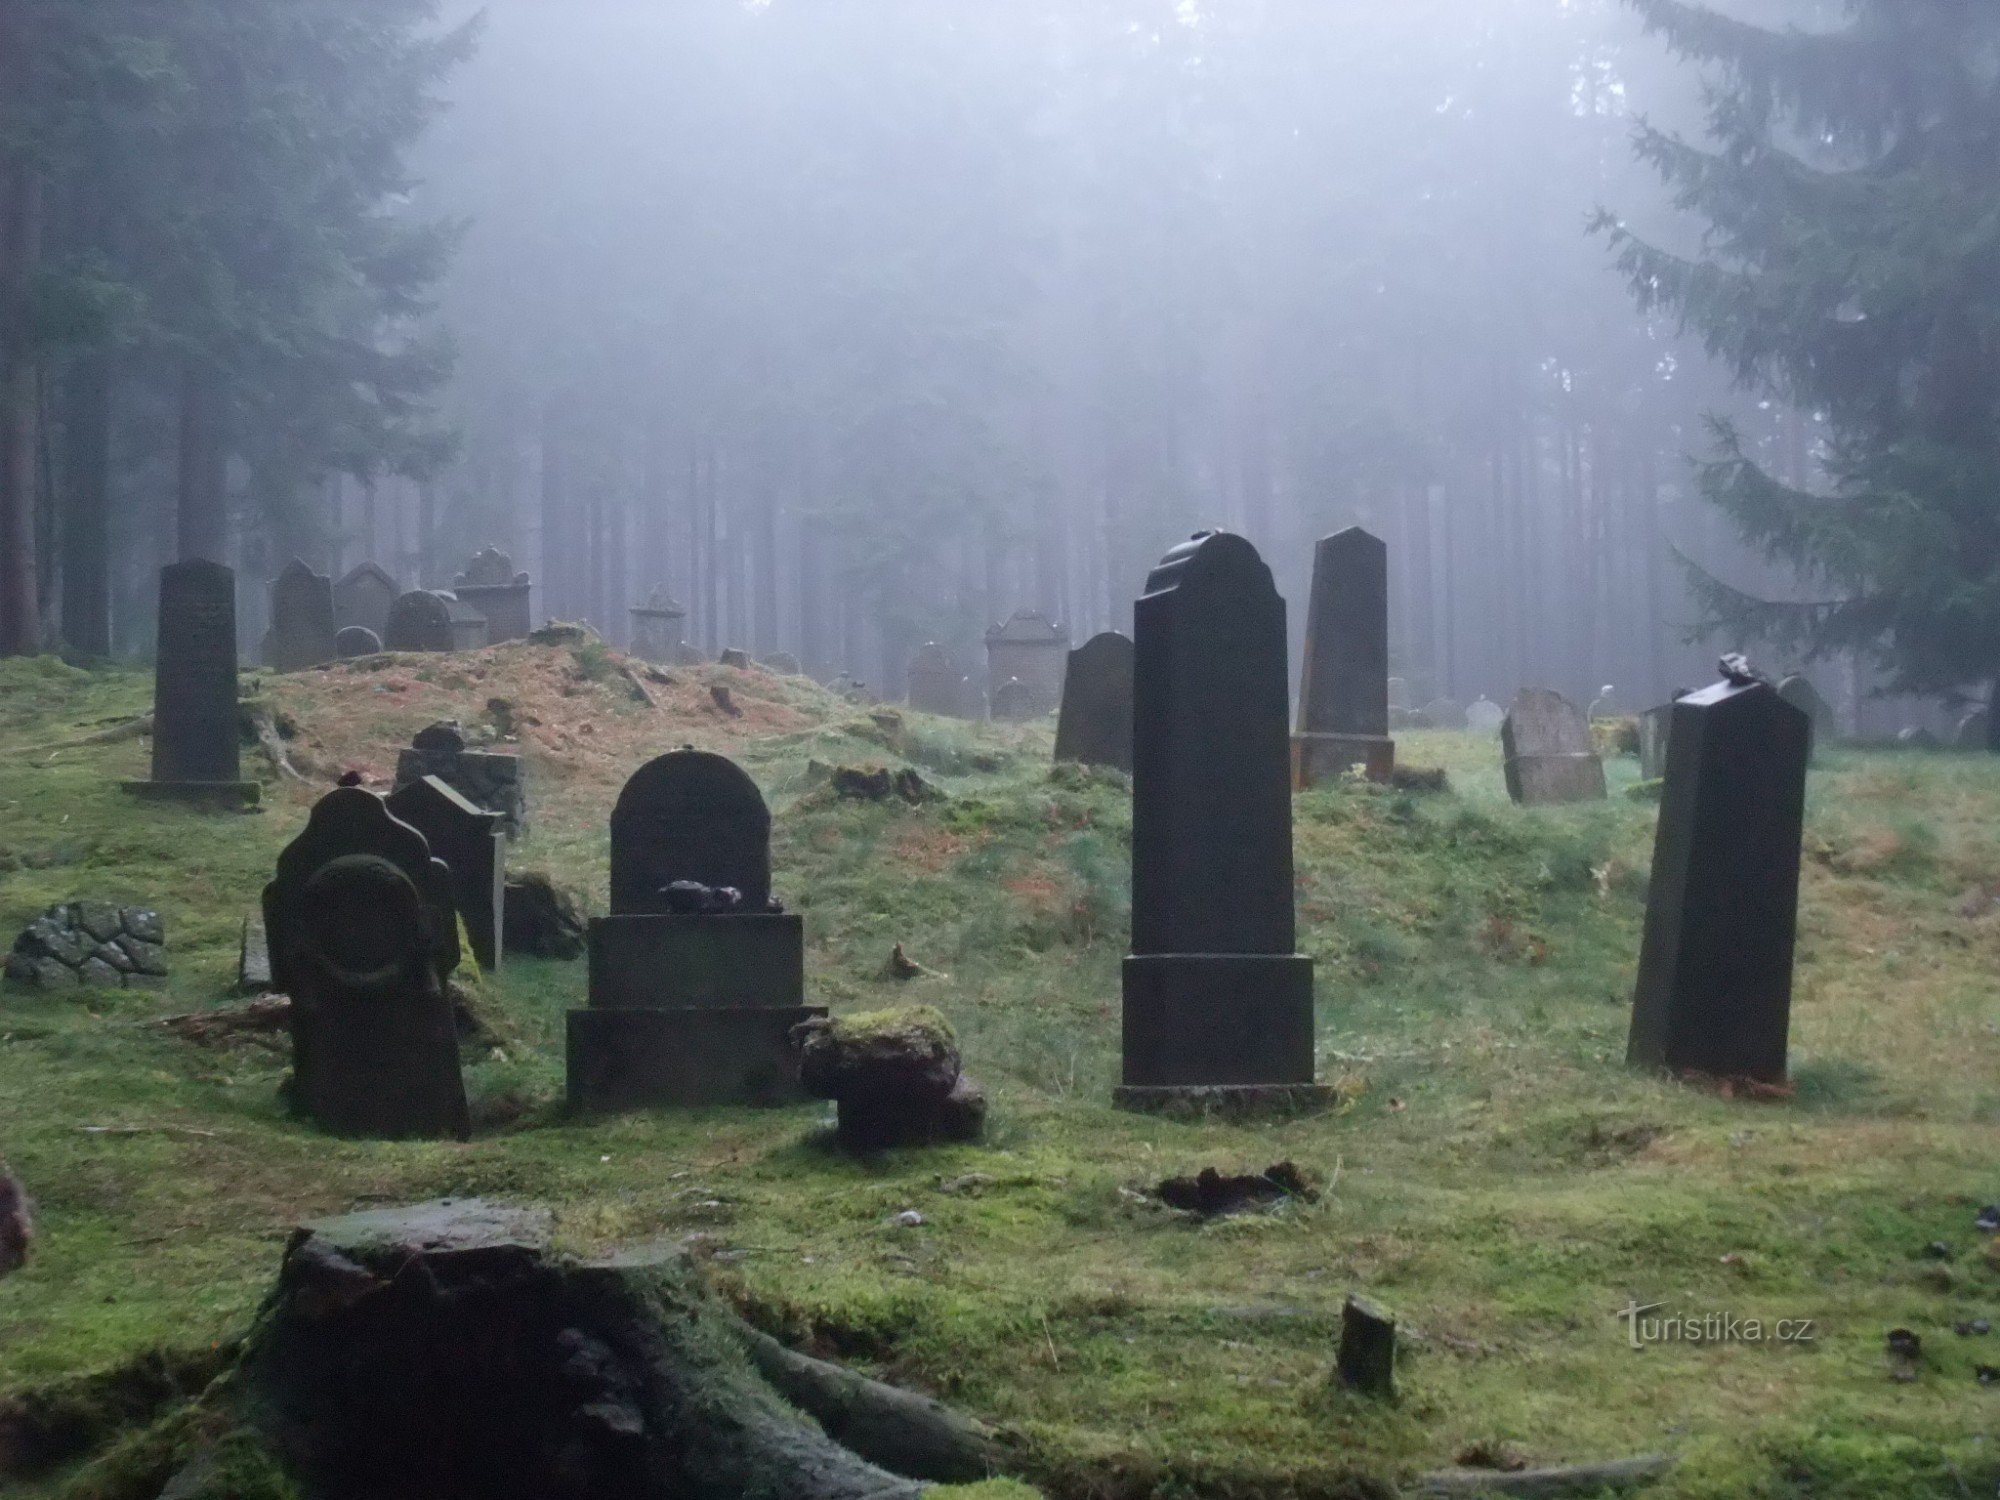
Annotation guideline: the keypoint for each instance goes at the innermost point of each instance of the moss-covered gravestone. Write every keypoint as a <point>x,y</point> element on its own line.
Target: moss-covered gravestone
<point>1095,726</point>
<point>1218,1005</point>
<point>1344,687</point>
<point>1715,972</point>
<point>697,978</point>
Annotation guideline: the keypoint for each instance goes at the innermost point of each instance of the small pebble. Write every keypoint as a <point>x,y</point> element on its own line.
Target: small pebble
<point>909,1218</point>
<point>1972,1328</point>
<point>1989,1218</point>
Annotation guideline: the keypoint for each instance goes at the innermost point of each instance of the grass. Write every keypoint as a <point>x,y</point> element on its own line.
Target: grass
<point>1494,1174</point>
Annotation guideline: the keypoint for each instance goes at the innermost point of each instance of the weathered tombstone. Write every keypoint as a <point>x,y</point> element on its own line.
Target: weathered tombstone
<point>1014,702</point>
<point>1442,713</point>
<point>1095,726</point>
<point>1974,731</point>
<point>419,621</point>
<point>197,749</point>
<point>656,630</point>
<point>936,684</point>
<point>494,782</point>
<point>1655,726</point>
<point>363,934</point>
<point>491,586</point>
<point>1605,704</point>
<point>364,598</point>
<point>1484,716</point>
<point>473,844</point>
<point>1715,970</point>
<point>1032,650</point>
<point>1218,1007</point>
<point>784,664</point>
<point>302,630</point>
<point>356,640</point>
<point>470,629</point>
<point>1344,682</point>
<point>1550,757</point>
<point>1798,690</point>
<point>1399,694</point>
<point>697,978</point>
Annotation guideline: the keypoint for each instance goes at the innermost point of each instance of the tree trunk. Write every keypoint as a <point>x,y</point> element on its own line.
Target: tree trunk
<point>20,251</point>
<point>86,529</point>
<point>202,529</point>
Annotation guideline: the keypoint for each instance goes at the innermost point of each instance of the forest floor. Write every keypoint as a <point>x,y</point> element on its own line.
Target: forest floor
<point>1493,1175</point>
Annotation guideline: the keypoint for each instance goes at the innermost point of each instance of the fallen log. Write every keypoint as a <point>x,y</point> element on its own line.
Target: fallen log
<point>1549,1483</point>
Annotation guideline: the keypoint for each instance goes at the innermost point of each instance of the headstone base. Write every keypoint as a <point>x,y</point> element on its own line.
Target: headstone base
<point>1205,1019</point>
<point>650,962</point>
<point>1232,1102</point>
<point>1318,758</point>
<point>1550,780</point>
<point>226,796</point>
<point>646,1059</point>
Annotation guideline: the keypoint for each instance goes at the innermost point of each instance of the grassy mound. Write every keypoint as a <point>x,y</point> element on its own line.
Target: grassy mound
<point>1494,1175</point>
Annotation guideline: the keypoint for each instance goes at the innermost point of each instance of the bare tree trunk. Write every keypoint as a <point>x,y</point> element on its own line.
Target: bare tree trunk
<point>20,250</point>
<point>86,531</point>
<point>202,521</point>
<point>556,600</point>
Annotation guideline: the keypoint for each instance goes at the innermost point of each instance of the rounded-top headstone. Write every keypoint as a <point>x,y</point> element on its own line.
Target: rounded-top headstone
<point>447,735</point>
<point>490,568</point>
<point>357,640</point>
<point>302,624</point>
<point>1485,715</point>
<point>1443,713</point>
<point>362,920</point>
<point>1095,725</point>
<point>419,621</point>
<point>689,816</point>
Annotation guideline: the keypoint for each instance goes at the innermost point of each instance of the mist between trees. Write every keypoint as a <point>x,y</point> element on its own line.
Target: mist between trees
<point>855,324</point>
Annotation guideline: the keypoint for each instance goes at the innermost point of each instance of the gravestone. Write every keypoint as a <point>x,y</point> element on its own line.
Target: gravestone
<point>491,586</point>
<point>697,977</point>
<point>656,630</point>
<point>1217,1004</point>
<point>302,629</point>
<point>197,729</point>
<point>1916,737</point>
<point>1442,713</point>
<point>1095,726</point>
<point>494,782</point>
<point>1715,969</point>
<point>1014,702</point>
<point>784,664</point>
<point>1344,681</point>
<point>363,934</point>
<point>1798,690</point>
<point>1484,716</point>
<point>470,629</point>
<point>936,684</point>
<point>1032,650</point>
<point>356,640</point>
<point>473,844</point>
<point>1973,732</point>
<point>1550,757</point>
<point>1655,725</point>
<point>1605,704</point>
<point>419,621</point>
<point>364,598</point>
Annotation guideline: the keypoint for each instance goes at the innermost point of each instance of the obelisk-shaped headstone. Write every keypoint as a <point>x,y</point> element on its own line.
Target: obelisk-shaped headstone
<point>1715,972</point>
<point>1218,1008</point>
<point>196,746</point>
<point>1344,687</point>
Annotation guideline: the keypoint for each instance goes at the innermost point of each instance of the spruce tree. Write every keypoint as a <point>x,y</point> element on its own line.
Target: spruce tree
<point>1851,267</point>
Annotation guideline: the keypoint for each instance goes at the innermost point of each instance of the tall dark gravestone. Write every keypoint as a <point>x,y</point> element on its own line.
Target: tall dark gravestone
<point>364,597</point>
<point>491,586</point>
<point>1799,691</point>
<point>420,621</point>
<point>1344,684</point>
<point>302,629</point>
<point>937,686</point>
<point>1218,1008</point>
<point>197,747</point>
<point>1095,726</point>
<point>473,844</point>
<point>1715,970</point>
<point>697,978</point>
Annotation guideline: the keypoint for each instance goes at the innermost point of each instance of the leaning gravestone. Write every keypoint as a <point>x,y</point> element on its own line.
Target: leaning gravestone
<point>363,934</point>
<point>1218,1005</point>
<point>490,585</point>
<point>1715,970</point>
<point>1032,650</point>
<point>302,630</point>
<point>1485,716</point>
<point>656,630</point>
<point>1550,757</point>
<point>419,621</point>
<point>356,640</point>
<point>364,598</point>
<point>497,783</point>
<point>1974,731</point>
<point>936,684</point>
<point>1095,726</point>
<point>1014,702</point>
<point>1798,690</point>
<point>197,748</point>
<point>1344,683</point>
<point>473,844</point>
<point>697,978</point>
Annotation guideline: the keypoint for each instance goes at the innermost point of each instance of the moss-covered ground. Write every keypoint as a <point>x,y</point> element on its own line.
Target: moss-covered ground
<point>1494,1174</point>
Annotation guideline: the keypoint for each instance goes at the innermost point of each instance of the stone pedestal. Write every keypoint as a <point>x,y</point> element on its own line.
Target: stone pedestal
<point>196,721</point>
<point>1328,757</point>
<point>506,608</point>
<point>1205,1019</point>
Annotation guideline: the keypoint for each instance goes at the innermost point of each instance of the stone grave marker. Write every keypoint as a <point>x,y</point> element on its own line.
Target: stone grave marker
<point>356,640</point>
<point>302,630</point>
<point>1550,757</point>
<point>470,629</point>
<point>363,934</point>
<point>490,585</point>
<point>419,621</point>
<point>1605,704</point>
<point>784,664</point>
<point>498,783</point>
<point>937,686</point>
<point>1973,732</point>
<point>1655,725</point>
<point>1715,968</point>
<point>1484,716</point>
<point>1218,1005</point>
<point>1344,681</point>
<point>1798,690</point>
<point>1032,650</point>
<point>1095,726</point>
<point>697,978</point>
<point>473,844</point>
<point>364,598</point>
<point>197,730</point>
<point>1442,713</point>
<point>656,630</point>
<point>1014,702</point>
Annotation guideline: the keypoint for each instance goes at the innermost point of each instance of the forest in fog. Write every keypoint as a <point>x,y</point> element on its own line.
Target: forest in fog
<point>856,324</point>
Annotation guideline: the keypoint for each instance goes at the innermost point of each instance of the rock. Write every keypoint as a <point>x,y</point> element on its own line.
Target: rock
<point>542,920</point>
<point>879,784</point>
<point>447,736</point>
<point>90,943</point>
<point>724,701</point>
<point>17,1228</point>
<point>895,1076</point>
<point>1209,1193</point>
<point>735,656</point>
